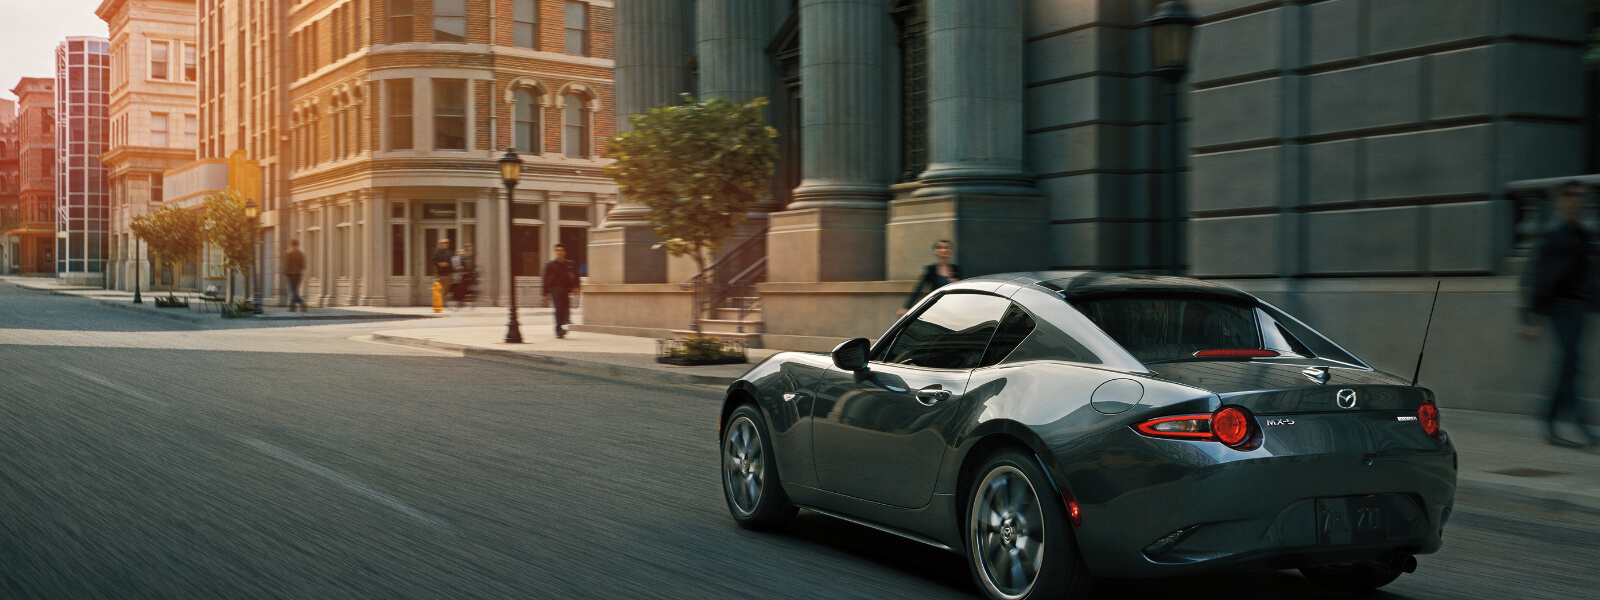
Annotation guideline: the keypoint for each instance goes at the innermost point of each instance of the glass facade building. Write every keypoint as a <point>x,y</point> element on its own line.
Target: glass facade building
<point>83,78</point>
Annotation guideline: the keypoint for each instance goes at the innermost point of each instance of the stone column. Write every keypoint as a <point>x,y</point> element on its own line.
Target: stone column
<point>330,277</point>
<point>375,279</point>
<point>974,192</point>
<point>733,38</point>
<point>834,229</point>
<point>651,47</point>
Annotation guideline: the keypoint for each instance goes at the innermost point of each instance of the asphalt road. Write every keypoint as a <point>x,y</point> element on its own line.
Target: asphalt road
<point>329,467</point>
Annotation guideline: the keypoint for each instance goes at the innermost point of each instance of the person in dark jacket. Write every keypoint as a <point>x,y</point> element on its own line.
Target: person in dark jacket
<point>936,275</point>
<point>1560,287</point>
<point>561,278</point>
<point>441,264</point>
<point>294,266</point>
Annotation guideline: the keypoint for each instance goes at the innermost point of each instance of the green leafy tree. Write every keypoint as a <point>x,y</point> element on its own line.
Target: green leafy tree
<point>227,228</point>
<point>699,167</point>
<point>173,234</point>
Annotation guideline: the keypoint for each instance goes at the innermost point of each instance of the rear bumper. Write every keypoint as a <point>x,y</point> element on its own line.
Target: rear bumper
<point>1154,508</point>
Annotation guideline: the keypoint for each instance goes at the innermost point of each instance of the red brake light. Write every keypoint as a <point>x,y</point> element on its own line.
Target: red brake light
<point>1238,353</point>
<point>1428,415</point>
<point>1231,426</point>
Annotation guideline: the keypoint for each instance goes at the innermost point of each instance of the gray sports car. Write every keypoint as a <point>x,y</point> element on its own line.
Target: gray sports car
<point>1056,426</point>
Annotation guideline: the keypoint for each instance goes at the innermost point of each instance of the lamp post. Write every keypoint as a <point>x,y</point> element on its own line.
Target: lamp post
<point>510,172</point>
<point>253,212</point>
<point>137,260</point>
<point>1171,28</point>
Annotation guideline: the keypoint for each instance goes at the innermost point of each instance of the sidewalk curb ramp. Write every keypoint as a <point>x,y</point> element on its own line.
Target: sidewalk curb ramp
<point>562,363</point>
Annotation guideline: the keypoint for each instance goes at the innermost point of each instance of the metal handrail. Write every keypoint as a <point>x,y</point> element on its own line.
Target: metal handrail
<point>716,287</point>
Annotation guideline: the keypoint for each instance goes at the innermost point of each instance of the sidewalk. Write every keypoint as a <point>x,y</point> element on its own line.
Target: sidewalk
<point>1505,466</point>
<point>198,311</point>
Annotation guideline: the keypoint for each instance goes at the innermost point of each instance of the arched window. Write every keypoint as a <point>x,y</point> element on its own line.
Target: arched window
<point>575,126</point>
<point>525,134</point>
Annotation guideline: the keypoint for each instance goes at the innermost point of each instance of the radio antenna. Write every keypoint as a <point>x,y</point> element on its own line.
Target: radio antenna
<point>1425,330</point>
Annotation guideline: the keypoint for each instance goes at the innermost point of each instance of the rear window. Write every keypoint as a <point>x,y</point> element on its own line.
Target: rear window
<point>1169,328</point>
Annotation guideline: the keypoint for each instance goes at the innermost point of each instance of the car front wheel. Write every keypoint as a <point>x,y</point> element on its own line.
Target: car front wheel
<point>749,475</point>
<point>1019,543</point>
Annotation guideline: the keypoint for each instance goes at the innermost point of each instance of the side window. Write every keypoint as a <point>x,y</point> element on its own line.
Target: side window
<point>1014,327</point>
<point>952,333</point>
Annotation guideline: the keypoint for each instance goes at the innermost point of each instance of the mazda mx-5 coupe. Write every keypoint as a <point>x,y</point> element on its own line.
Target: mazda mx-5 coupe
<point>1054,427</point>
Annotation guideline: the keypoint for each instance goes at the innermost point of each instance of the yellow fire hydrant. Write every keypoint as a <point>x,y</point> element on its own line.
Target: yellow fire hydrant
<point>438,297</point>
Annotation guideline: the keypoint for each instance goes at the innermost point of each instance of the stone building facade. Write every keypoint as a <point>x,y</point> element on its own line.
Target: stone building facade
<point>36,177</point>
<point>399,111</point>
<point>154,125</point>
<point>10,202</point>
<point>1343,158</point>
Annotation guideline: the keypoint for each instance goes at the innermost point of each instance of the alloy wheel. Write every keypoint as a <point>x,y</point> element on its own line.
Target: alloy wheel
<point>743,465</point>
<point>1007,532</point>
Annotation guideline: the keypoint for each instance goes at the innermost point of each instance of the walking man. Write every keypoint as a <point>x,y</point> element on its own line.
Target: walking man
<point>1560,285</point>
<point>560,278</point>
<point>441,264</point>
<point>294,265</point>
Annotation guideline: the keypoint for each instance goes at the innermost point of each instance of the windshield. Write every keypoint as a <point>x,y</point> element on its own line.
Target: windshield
<point>1157,328</point>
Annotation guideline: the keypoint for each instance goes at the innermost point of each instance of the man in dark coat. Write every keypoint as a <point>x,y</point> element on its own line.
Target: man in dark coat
<point>441,264</point>
<point>294,266</point>
<point>561,278</point>
<point>1560,286</point>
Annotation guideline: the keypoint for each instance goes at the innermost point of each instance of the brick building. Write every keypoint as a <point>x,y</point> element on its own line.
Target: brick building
<point>10,202</point>
<point>36,181</point>
<point>153,119</point>
<point>376,125</point>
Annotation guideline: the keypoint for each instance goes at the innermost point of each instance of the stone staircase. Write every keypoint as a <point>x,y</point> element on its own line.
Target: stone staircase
<point>724,323</point>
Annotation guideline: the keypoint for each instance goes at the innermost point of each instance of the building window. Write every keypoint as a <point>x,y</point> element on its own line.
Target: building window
<point>525,250</point>
<point>450,114</point>
<point>158,130</point>
<point>525,31</point>
<point>913,21</point>
<point>398,92</point>
<point>159,59</point>
<point>526,111</point>
<point>400,21</point>
<point>575,126</point>
<point>190,63</point>
<point>158,190</point>
<point>450,21</point>
<point>577,28</point>
<point>397,250</point>
<point>191,131</point>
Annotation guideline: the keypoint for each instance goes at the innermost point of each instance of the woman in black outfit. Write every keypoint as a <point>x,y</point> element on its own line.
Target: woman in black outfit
<point>936,276</point>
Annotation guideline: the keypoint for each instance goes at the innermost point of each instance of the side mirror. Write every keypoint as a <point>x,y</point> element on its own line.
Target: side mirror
<point>852,355</point>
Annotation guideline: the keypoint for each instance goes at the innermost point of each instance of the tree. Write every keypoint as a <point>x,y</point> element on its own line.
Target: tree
<point>230,231</point>
<point>173,234</point>
<point>699,167</point>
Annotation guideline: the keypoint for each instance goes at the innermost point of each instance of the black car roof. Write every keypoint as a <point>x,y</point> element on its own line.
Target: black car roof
<point>1079,285</point>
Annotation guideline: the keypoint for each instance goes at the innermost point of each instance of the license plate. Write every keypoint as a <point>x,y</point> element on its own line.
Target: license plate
<point>1352,520</point>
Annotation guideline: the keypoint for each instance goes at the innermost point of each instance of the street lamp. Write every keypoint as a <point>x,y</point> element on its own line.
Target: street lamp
<point>510,173</point>
<point>253,212</point>
<point>137,260</point>
<point>1171,28</point>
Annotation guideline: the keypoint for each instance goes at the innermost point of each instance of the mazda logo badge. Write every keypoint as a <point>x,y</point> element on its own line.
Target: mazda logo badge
<point>1345,398</point>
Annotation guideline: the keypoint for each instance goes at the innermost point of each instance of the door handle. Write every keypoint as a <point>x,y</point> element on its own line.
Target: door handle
<point>932,395</point>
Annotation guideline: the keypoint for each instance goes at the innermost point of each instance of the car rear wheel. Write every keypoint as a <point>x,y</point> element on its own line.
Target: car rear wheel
<point>1019,544</point>
<point>749,475</point>
<point>1363,576</point>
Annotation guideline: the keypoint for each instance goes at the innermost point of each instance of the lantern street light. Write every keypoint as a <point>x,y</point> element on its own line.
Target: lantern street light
<point>510,173</point>
<point>253,212</point>
<point>1171,28</point>
<point>137,260</point>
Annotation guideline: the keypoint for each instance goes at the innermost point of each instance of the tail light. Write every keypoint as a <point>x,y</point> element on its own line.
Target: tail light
<point>1428,416</point>
<point>1233,426</point>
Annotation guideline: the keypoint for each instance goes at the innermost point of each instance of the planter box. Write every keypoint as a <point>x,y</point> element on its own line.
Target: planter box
<point>686,362</point>
<point>165,303</point>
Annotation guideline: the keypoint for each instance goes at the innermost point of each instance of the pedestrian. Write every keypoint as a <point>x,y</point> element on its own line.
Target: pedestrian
<point>294,265</point>
<point>441,265</point>
<point>1560,286</point>
<point>458,277</point>
<point>561,278</point>
<point>936,275</point>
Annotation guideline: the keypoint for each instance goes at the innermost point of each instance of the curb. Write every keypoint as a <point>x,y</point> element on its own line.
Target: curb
<point>188,315</point>
<point>567,365</point>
